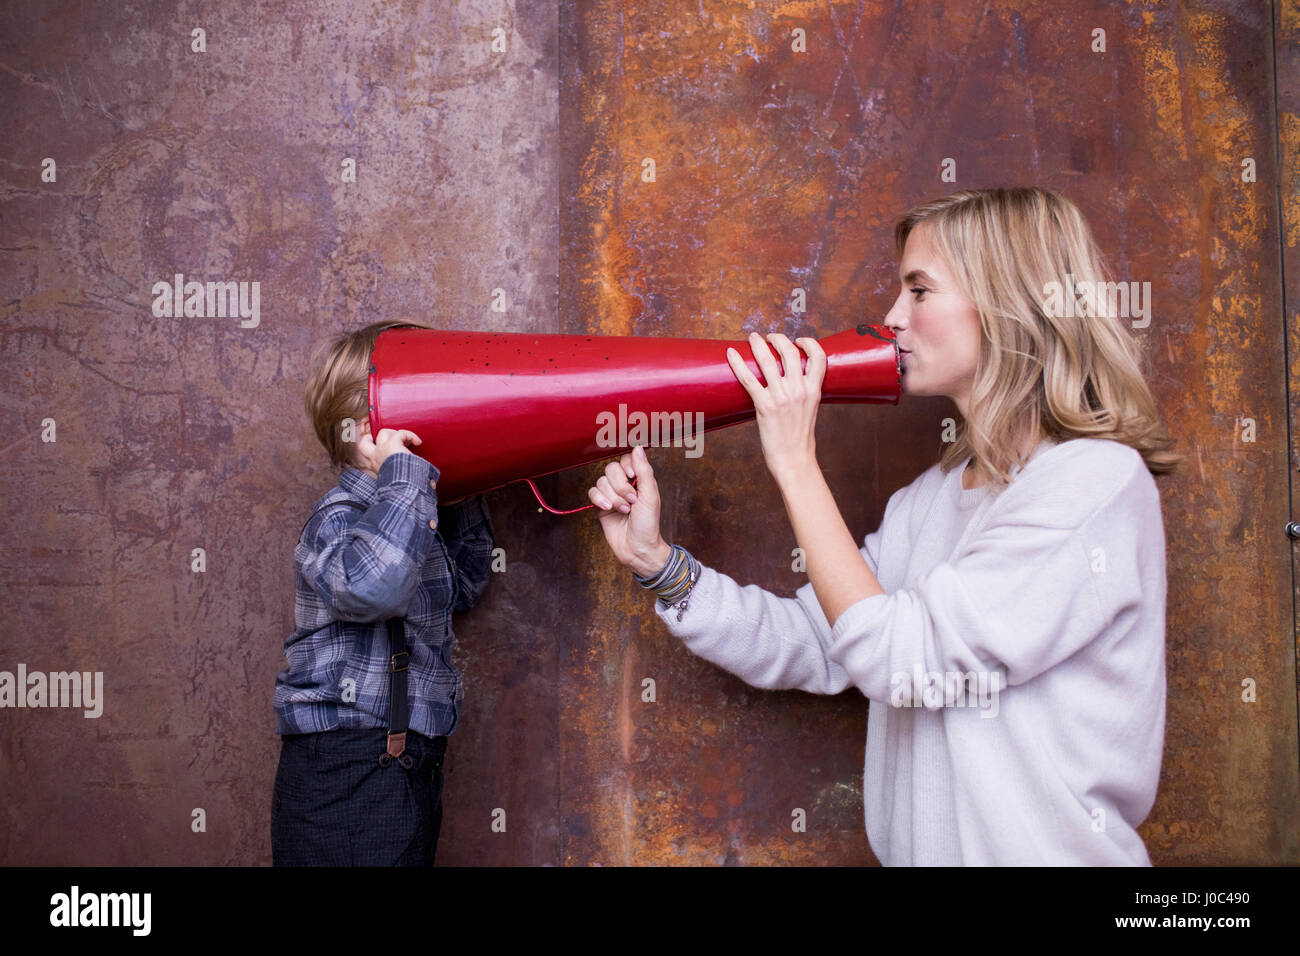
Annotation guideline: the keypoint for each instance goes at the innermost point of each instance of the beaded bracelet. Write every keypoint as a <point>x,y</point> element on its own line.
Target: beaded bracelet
<point>674,581</point>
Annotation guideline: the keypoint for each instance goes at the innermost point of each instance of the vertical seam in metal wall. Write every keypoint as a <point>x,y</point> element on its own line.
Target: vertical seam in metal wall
<point>1275,10</point>
<point>556,140</point>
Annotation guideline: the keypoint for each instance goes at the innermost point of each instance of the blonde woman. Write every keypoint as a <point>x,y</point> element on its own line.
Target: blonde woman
<point>1007,618</point>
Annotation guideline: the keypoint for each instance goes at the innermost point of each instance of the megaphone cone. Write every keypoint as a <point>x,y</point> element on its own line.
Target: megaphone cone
<point>492,408</point>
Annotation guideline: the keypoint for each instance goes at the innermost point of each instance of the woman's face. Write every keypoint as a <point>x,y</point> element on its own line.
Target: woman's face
<point>936,326</point>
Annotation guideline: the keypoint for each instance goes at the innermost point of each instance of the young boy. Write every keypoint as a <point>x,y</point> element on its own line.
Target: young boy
<point>377,552</point>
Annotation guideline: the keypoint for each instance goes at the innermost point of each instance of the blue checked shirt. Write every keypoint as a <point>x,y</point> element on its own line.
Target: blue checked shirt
<point>356,567</point>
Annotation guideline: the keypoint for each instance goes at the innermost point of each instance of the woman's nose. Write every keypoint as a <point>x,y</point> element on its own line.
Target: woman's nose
<point>895,318</point>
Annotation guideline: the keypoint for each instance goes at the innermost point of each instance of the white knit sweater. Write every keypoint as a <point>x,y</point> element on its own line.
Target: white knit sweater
<point>1051,594</point>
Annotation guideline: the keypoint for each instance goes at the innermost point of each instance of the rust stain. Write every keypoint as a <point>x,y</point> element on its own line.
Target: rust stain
<point>1289,136</point>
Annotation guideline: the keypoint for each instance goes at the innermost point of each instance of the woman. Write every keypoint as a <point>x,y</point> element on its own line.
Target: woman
<point>1007,617</point>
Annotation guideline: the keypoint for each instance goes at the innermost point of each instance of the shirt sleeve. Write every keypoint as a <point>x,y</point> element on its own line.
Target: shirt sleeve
<point>366,565</point>
<point>1020,597</point>
<point>467,529</point>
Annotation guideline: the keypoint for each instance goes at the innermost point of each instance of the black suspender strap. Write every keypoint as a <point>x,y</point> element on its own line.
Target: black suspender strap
<point>399,707</point>
<point>399,704</point>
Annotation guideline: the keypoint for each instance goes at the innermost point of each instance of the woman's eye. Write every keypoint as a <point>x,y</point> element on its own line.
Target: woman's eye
<point>918,292</point>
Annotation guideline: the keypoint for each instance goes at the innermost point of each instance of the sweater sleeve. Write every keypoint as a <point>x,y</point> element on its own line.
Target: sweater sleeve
<point>767,641</point>
<point>1022,595</point>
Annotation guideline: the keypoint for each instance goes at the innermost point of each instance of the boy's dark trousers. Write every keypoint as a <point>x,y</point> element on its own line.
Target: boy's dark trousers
<point>334,805</point>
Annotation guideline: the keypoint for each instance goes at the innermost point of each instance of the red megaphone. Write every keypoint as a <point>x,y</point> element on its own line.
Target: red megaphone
<point>492,408</point>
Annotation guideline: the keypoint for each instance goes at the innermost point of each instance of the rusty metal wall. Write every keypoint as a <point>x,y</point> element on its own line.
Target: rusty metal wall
<point>174,434</point>
<point>776,169</point>
<point>477,170</point>
<point>1287,71</point>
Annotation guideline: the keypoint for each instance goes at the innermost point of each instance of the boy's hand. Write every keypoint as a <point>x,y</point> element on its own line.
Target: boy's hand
<point>389,441</point>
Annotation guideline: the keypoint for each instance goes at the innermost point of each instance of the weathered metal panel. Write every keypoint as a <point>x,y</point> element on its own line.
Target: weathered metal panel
<point>1286,48</point>
<point>175,434</point>
<point>776,169</point>
<point>480,169</point>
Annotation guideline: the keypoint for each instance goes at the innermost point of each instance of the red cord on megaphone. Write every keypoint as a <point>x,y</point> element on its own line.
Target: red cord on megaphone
<point>538,495</point>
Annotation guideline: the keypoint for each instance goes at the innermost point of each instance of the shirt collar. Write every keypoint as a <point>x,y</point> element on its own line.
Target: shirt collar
<point>359,484</point>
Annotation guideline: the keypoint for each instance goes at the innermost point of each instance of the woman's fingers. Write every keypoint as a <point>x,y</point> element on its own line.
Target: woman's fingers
<point>777,376</point>
<point>763,356</point>
<point>627,465</point>
<point>614,489</point>
<point>646,486</point>
<point>598,499</point>
<point>743,374</point>
<point>790,357</point>
<point>604,495</point>
<point>816,371</point>
<point>616,501</point>
<point>618,482</point>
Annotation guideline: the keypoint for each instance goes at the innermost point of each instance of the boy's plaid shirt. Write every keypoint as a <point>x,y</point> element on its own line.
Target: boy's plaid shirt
<point>355,569</point>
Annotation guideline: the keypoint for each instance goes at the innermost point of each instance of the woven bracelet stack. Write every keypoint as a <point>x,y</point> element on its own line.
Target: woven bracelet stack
<point>674,580</point>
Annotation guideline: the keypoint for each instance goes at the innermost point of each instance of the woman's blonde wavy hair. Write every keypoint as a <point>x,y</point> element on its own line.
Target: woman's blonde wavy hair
<point>338,388</point>
<point>1038,372</point>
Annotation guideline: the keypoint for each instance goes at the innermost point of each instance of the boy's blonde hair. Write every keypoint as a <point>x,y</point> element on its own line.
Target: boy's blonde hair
<point>338,388</point>
<point>1037,372</point>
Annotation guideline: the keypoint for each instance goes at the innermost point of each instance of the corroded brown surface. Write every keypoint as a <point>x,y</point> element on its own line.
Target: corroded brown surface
<point>776,169</point>
<point>479,170</point>
<point>182,433</point>
<point>1287,50</point>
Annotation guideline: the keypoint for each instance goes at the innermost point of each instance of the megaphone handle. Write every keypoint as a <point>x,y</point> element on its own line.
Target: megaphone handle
<point>555,511</point>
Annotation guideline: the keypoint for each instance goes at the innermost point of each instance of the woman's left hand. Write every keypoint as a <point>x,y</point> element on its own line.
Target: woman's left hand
<point>787,407</point>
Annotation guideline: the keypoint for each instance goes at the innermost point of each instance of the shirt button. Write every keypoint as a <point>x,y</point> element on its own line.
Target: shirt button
<point>433,483</point>
<point>433,524</point>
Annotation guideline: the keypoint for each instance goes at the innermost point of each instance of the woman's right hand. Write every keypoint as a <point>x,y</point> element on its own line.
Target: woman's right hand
<point>630,516</point>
